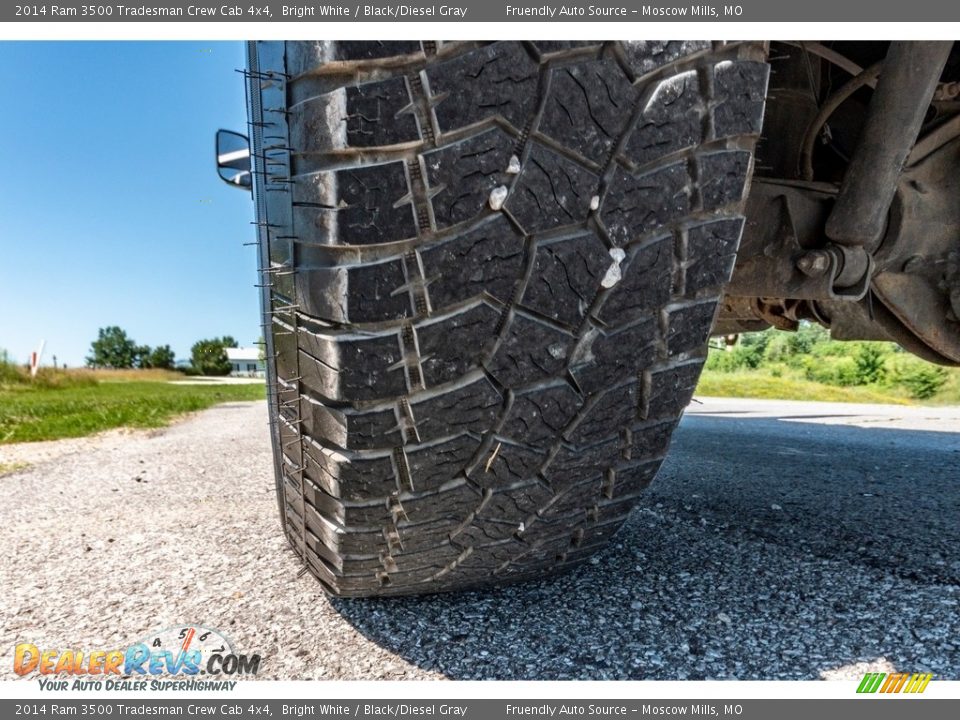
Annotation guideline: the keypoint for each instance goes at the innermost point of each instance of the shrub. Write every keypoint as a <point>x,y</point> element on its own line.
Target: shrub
<point>870,362</point>
<point>831,370</point>
<point>806,337</point>
<point>832,348</point>
<point>921,379</point>
<point>740,358</point>
<point>719,361</point>
<point>778,349</point>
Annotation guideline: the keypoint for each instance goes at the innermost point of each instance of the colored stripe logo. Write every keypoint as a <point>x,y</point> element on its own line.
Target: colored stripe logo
<point>913,683</point>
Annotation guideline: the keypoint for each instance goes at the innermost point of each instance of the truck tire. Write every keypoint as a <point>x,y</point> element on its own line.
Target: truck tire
<point>490,273</point>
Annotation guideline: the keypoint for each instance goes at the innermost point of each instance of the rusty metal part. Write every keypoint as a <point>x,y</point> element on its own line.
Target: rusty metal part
<point>750,314</point>
<point>918,277</point>
<point>865,77</point>
<point>738,315</point>
<point>784,253</point>
<point>869,319</point>
<point>787,270</point>
<point>911,72</point>
<point>897,277</point>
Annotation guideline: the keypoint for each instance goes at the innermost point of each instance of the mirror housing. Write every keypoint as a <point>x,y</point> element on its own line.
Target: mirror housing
<point>233,159</point>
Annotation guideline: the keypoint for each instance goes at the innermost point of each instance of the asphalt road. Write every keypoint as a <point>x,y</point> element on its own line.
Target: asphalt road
<point>781,540</point>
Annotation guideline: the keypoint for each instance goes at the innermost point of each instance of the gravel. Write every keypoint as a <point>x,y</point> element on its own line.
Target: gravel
<point>769,547</point>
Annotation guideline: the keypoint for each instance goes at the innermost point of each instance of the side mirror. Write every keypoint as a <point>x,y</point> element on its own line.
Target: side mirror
<point>233,159</point>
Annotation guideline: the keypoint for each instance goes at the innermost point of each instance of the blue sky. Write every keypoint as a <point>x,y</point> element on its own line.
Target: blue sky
<point>110,209</point>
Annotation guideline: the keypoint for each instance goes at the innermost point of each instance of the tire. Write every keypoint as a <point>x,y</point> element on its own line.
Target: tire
<point>490,273</point>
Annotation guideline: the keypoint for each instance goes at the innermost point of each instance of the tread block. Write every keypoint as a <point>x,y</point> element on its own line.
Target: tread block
<point>484,530</point>
<point>367,205</point>
<point>353,368</point>
<point>456,344</point>
<point>367,115</point>
<point>741,90</point>
<point>354,479</point>
<point>671,390</point>
<point>651,439</point>
<point>465,173</point>
<point>354,294</point>
<point>566,277</point>
<point>588,107</point>
<point>645,56</point>
<point>689,326</point>
<point>378,114</point>
<point>617,354</point>
<point>509,89</point>
<point>551,191</point>
<point>530,351</point>
<point>470,408</point>
<point>486,260</point>
<point>645,283</point>
<point>519,526</point>
<point>571,466</point>
<point>712,252</point>
<point>518,502</point>
<point>631,479</point>
<point>375,49</point>
<point>574,501</point>
<point>541,414</point>
<point>545,47</point>
<point>634,205</point>
<point>496,555</point>
<point>453,503</point>
<point>421,537</point>
<point>348,428</point>
<point>504,464</point>
<point>616,408</point>
<point>433,465</point>
<point>723,177</point>
<point>672,120</point>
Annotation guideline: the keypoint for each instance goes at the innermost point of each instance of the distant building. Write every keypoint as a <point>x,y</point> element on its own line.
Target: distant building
<point>246,362</point>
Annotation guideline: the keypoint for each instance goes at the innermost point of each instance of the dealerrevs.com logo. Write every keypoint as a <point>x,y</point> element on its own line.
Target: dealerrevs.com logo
<point>907,683</point>
<point>171,659</point>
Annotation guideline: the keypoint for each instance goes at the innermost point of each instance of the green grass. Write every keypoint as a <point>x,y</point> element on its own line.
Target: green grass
<point>950,393</point>
<point>762,384</point>
<point>83,405</point>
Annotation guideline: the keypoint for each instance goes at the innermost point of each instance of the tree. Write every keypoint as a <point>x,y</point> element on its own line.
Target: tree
<point>921,378</point>
<point>209,357</point>
<point>142,357</point>
<point>161,357</point>
<point>870,363</point>
<point>113,348</point>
